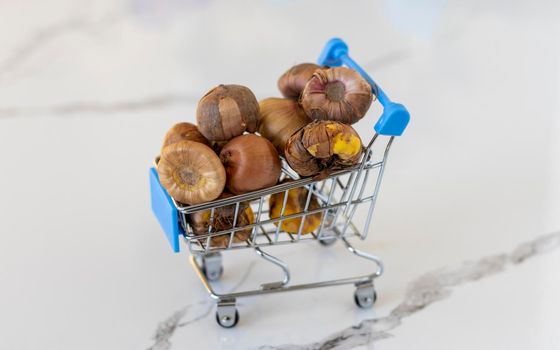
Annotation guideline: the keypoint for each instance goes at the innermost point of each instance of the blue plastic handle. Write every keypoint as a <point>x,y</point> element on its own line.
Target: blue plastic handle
<point>395,116</point>
<point>165,211</point>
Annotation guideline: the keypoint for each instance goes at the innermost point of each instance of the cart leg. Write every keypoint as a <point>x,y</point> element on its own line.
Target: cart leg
<point>327,235</point>
<point>212,266</point>
<point>227,315</point>
<point>280,264</point>
<point>365,295</point>
<point>367,256</point>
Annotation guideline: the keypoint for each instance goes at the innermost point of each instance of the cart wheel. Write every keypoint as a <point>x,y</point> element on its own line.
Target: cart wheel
<point>227,319</point>
<point>327,242</point>
<point>327,238</point>
<point>212,266</point>
<point>365,296</point>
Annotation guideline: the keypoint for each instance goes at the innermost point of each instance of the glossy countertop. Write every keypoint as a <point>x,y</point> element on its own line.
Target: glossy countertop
<point>467,222</point>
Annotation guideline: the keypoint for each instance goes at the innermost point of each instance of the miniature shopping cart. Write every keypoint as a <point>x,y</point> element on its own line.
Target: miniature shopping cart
<point>340,195</point>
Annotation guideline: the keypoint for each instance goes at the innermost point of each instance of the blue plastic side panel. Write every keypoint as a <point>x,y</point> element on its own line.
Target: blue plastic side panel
<point>395,117</point>
<point>165,211</point>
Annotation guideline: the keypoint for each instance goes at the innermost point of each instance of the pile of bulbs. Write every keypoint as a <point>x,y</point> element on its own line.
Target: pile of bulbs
<point>222,156</point>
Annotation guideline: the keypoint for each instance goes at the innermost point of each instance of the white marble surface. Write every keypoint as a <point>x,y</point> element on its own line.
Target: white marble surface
<point>465,223</point>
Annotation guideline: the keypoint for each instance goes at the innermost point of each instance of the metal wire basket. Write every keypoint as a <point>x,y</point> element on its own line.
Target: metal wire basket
<point>337,196</point>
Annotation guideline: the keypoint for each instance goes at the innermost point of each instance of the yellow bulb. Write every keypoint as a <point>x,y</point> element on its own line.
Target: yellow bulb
<point>346,145</point>
<point>295,204</point>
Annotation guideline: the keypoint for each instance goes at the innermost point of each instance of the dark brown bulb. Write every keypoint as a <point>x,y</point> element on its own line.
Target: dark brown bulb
<point>338,93</point>
<point>251,163</point>
<point>227,111</point>
<point>292,82</point>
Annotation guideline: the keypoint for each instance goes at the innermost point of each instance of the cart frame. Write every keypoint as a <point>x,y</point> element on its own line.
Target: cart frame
<point>339,195</point>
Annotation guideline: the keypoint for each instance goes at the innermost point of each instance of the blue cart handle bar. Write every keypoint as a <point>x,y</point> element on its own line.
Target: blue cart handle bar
<point>395,116</point>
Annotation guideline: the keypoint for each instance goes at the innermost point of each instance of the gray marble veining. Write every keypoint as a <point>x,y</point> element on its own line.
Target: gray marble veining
<point>167,328</point>
<point>49,33</point>
<point>75,75</point>
<point>422,292</point>
<point>92,107</point>
<point>38,40</point>
<point>426,290</point>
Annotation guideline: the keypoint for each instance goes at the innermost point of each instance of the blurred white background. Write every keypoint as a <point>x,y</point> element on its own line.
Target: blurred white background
<point>88,89</point>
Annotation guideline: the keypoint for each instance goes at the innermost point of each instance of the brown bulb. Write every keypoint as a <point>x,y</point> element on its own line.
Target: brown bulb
<point>299,159</point>
<point>338,93</point>
<point>280,119</point>
<point>191,172</point>
<point>292,82</point>
<point>223,220</point>
<point>251,162</point>
<point>184,132</point>
<point>323,145</point>
<point>227,111</point>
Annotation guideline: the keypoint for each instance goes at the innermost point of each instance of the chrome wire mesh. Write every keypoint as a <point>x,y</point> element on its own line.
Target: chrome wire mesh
<point>339,195</point>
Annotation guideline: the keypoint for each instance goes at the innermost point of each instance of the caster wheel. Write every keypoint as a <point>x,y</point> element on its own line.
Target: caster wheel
<point>327,242</point>
<point>213,274</point>
<point>227,320</point>
<point>365,297</point>
<point>328,237</point>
